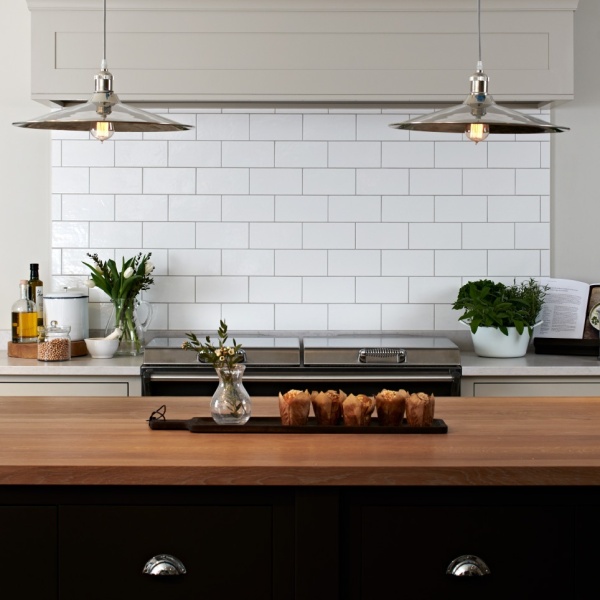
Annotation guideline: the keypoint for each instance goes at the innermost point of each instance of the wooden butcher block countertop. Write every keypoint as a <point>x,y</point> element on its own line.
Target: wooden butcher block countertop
<point>107,441</point>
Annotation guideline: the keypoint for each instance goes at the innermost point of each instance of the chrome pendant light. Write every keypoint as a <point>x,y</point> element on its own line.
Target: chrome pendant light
<point>479,115</point>
<point>103,113</point>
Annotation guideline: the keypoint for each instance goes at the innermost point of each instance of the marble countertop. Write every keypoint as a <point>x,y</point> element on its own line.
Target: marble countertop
<point>531,365</point>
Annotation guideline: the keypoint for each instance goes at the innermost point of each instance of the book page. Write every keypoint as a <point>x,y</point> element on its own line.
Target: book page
<point>564,312</point>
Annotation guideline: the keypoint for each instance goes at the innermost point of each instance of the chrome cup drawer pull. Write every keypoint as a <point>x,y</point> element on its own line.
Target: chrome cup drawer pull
<point>467,565</point>
<point>164,564</point>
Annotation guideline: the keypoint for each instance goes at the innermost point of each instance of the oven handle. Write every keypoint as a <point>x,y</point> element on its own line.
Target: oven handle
<point>324,377</point>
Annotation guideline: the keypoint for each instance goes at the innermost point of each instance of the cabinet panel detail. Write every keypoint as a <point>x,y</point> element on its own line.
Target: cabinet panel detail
<point>52,388</point>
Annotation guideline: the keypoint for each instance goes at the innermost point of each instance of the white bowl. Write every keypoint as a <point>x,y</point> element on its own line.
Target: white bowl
<point>101,347</point>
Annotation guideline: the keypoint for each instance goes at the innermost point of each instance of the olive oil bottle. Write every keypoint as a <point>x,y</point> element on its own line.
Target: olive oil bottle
<point>36,291</point>
<point>24,316</point>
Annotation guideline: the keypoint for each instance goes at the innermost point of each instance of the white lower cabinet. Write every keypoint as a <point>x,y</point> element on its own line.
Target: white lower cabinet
<point>530,386</point>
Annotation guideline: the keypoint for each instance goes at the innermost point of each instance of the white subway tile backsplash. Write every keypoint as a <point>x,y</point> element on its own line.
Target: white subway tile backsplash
<point>194,208</point>
<point>248,262</point>
<point>377,127</point>
<point>382,235</point>
<point>140,154</point>
<point>458,155</point>
<point>193,317</point>
<point>116,181</point>
<point>513,263</point>
<point>115,235</point>
<point>510,209</point>
<point>403,317</point>
<point>325,290</point>
<point>301,317</point>
<point>407,209</point>
<point>389,182</point>
<point>275,289</point>
<point>407,155</point>
<point>78,153</point>
<point>300,262</point>
<point>302,218</point>
<point>88,207</point>
<point>532,235</point>
<point>300,154</point>
<point>222,181</point>
<point>488,235</point>
<point>383,289</point>
<point>407,262</point>
<point>353,209</point>
<point>329,127</point>
<point>301,208</point>
<point>423,290</point>
<point>276,127</point>
<point>251,317</point>
<point>355,317</point>
<point>276,181</point>
<point>248,208</point>
<point>248,154</point>
<point>354,154</point>
<point>354,262</point>
<point>461,209</point>
<point>222,127</point>
<point>328,181</point>
<point>169,235</point>
<point>194,262</point>
<point>143,207</point>
<point>275,235</point>
<point>222,235</point>
<point>435,236</point>
<point>221,289</point>
<point>194,154</point>
<point>490,182</point>
<point>533,181</point>
<point>70,180</point>
<point>514,155</point>
<point>328,235</point>
<point>459,262</point>
<point>435,181</point>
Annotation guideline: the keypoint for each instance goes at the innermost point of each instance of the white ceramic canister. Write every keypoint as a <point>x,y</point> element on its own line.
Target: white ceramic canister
<point>70,309</point>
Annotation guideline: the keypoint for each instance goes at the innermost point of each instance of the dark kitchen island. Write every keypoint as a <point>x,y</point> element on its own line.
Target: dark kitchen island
<point>88,493</point>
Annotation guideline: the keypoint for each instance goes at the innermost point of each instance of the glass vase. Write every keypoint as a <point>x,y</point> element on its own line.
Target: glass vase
<point>231,404</point>
<point>132,317</point>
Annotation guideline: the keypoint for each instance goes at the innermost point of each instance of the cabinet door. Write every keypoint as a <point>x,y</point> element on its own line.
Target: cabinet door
<point>28,552</point>
<point>396,551</point>
<point>228,552</point>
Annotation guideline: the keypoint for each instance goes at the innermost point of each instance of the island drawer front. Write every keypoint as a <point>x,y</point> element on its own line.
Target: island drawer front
<point>28,552</point>
<point>228,552</point>
<point>407,549</point>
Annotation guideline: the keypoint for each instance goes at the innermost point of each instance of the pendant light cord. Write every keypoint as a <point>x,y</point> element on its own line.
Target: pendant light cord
<point>480,63</point>
<point>104,33</point>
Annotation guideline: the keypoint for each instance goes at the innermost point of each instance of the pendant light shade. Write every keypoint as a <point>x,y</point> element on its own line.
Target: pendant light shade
<point>479,115</point>
<point>103,114</point>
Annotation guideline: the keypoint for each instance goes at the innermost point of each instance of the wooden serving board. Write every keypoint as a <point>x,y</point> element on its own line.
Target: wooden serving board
<point>29,350</point>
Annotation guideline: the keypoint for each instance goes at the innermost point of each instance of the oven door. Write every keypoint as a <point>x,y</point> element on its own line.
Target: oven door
<point>201,380</point>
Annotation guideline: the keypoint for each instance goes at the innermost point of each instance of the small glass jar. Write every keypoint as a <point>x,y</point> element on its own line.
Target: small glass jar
<point>54,343</point>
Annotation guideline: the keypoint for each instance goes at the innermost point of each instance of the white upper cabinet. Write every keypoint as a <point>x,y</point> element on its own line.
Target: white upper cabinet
<point>367,51</point>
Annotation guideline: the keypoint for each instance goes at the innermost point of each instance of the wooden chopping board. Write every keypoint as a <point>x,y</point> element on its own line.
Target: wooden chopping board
<point>78,348</point>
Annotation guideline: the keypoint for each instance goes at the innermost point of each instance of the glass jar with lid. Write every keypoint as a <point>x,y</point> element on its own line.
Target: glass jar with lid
<point>54,343</point>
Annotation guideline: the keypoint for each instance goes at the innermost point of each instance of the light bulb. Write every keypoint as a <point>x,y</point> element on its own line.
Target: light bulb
<point>477,132</point>
<point>103,130</point>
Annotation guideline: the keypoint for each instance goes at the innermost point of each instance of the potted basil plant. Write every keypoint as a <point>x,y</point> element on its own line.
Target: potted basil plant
<point>501,317</point>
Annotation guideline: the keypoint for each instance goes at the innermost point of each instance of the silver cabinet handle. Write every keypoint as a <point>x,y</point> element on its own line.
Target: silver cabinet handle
<point>164,564</point>
<point>467,565</point>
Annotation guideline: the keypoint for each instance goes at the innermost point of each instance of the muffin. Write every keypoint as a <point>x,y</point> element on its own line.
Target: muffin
<point>419,409</point>
<point>390,406</point>
<point>327,406</point>
<point>294,407</point>
<point>357,410</point>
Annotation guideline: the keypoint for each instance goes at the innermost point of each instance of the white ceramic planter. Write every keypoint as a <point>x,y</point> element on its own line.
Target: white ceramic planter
<point>491,342</point>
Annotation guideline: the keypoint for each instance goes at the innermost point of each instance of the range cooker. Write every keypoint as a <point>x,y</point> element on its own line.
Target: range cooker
<point>356,364</point>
